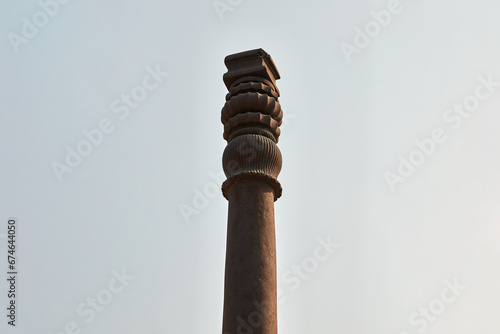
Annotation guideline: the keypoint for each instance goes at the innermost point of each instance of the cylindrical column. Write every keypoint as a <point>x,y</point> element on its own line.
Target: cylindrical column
<point>250,280</point>
<point>252,161</point>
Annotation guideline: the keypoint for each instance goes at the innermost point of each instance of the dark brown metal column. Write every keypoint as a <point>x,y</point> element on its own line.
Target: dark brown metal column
<point>252,161</point>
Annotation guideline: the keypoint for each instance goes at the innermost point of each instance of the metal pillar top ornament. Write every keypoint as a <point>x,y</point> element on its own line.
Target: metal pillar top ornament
<point>251,116</point>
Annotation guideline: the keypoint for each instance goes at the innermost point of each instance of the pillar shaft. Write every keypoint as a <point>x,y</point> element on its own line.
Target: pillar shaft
<point>251,161</point>
<point>250,280</point>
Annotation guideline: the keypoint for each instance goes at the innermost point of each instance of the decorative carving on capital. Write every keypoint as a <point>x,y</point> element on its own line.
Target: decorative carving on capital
<point>251,116</point>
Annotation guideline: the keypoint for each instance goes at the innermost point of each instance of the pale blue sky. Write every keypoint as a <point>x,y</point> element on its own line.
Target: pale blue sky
<point>351,118</point>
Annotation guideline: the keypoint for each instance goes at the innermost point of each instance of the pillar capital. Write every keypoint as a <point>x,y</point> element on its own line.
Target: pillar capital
<point>251,116</point>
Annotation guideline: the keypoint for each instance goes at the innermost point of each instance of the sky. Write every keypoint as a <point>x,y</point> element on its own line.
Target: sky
<point>112,148</point>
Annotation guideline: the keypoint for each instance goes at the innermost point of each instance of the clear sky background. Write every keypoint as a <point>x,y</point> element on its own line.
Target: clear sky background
<point>416,250</point>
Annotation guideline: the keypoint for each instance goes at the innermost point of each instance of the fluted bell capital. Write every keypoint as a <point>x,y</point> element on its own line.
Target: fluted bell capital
<point>251,116</point>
